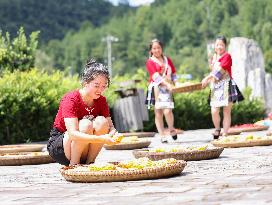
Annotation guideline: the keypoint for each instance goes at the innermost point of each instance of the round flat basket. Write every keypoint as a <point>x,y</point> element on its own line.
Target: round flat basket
<point>250,143</point>
<point>249,129</point>
<point>139,134</point>
<point>128,146</point>
<point>21,148</point>
<point>25,158</point>
<point>192,155</point>
<point>122,175</point>
<point>187,88</point>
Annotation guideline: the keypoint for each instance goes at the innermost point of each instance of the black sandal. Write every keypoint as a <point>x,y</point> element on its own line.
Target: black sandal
<point>216,134</point>
<point>174,136</point>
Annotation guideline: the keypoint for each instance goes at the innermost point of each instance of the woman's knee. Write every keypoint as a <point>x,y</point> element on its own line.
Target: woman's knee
<point>167,111</point>
<point>227,111</point>
<point>215,111</point>
<point>85,126</point>
<point>158,113</point>
<point>101,125</point>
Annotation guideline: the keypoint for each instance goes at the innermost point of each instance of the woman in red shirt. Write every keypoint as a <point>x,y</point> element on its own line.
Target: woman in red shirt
<point>224,91</point>
<point>162,78</point>
<point>83,124</point>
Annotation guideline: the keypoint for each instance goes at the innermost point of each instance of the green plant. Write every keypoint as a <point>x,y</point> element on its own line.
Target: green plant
<point>28,103</point>
<point>19,53</point>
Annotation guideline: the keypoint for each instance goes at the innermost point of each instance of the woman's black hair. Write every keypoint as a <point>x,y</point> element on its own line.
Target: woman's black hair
<point>93,69</point>
<point>222,38</point>
<point>155,40</point>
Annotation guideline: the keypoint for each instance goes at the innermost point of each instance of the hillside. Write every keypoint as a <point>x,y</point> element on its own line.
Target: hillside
<point>54,18</point>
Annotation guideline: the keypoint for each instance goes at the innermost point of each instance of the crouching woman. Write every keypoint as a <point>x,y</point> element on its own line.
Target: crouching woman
<point>83,123</point>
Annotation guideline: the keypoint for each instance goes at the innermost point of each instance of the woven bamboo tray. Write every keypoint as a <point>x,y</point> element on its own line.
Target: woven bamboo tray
<point>25,158</point>
<point>122,175</point>
<point>249,129</point>
<point>127,146</point>
<point>21,148</point>
<point>250,143</point>
<point>187,88</point>
<point>192,155</point>
<point>139,134</point>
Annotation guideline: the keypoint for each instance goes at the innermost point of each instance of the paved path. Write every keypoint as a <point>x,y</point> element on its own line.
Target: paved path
<point>239,176</point>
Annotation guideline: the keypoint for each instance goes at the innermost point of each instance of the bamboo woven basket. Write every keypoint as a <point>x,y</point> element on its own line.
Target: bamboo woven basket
<point>25,158</point>
<point>122,175</point>
<point>192,155</point>
<point>21,148</point>
<point>249,129</point>
<point>187,88</point>
<point>250,143</point>
<point>128,146</point>
<point>139,134</point>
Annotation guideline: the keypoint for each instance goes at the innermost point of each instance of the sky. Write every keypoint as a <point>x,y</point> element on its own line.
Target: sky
<point>134,2</point>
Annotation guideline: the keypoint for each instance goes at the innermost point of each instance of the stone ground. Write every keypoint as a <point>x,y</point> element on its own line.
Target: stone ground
<point>239,176</point>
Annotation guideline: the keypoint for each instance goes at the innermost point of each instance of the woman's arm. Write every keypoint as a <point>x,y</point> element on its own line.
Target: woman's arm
<point>112,131</point>
<point>74,133</point>
<point>158,79</point>
<point>216,74</point>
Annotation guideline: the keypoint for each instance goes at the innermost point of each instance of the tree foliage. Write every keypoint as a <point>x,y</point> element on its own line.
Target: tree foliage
<point>54,18</point>
<point>184,26</point>
<point>18,53</point>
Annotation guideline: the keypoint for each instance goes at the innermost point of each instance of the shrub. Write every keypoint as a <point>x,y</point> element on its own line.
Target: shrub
<point>192,111</point>
<point>29,102</point>
<point>18,53</point>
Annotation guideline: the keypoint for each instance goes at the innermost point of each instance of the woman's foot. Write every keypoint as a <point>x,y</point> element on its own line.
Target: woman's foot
<point>164,139</point>
<point>174,133</point>
<point>216,134</point>
<point>224,134</point>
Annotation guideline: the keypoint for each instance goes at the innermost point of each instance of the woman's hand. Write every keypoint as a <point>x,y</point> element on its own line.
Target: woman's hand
<point>107,139</point>
<point>113,132</point>
<point>205,82</point>
<point>169,87</point>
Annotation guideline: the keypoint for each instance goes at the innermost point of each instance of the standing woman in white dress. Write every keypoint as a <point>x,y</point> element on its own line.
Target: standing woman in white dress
<point>224,91</point>
<point>162,79</point>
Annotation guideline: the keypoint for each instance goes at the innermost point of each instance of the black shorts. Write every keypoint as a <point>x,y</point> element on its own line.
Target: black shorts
<point>55,147</point>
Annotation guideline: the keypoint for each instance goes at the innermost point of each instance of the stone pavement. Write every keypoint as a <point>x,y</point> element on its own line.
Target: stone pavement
<point>239,176</point>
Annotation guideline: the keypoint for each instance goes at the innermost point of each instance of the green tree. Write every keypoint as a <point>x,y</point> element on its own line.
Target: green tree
<point>18,53</point>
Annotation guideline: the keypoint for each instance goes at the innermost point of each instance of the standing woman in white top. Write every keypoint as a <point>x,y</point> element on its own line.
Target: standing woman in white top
<point>162,78</point>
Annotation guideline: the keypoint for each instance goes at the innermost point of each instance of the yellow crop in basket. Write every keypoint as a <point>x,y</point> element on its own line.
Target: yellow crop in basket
<point>106,166</point>
<point>118,138</point>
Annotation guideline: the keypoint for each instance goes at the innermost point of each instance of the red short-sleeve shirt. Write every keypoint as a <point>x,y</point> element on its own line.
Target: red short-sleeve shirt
<point>153,67</point>
<point>72,106</point>
<point>226,63</point>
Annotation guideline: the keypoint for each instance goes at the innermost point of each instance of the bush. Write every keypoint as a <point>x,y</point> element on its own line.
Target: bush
<point>192,111</point>
<point>19,53</point>
<point>29,102</point>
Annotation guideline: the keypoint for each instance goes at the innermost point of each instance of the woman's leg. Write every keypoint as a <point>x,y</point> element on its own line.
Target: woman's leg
<point>227,118</point>
<point>159,121</point>
<point>215,111</point>
<point>101,127</point>
<point>76,150</point>
<point>169,117</point>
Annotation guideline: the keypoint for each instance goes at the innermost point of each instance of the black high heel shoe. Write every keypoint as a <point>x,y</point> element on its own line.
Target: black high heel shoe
<point>174,137</point>
<point>216,134</point>
<point>173,134</point>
